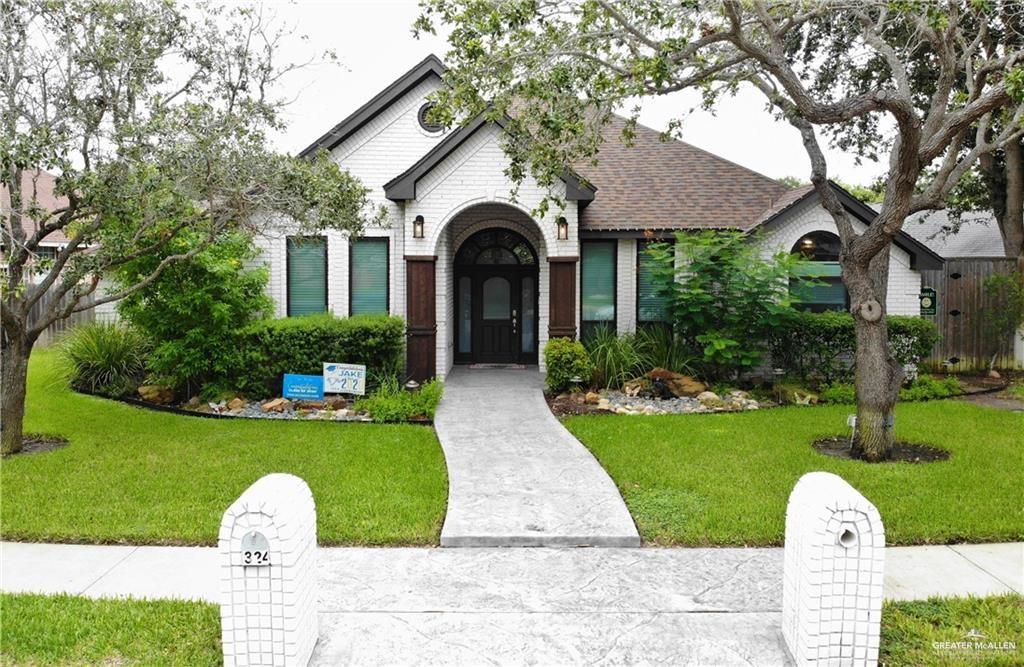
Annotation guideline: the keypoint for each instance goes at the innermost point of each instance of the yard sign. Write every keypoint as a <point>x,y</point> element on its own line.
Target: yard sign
<point>308,387</point>
<point>344,378</point>
<point>928,301</point>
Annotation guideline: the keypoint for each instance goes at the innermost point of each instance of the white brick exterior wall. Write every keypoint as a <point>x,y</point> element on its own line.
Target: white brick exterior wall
<point>832,573</point>
<point>459,196</point>
<point>625,276</point>
<point>455,199</point>
<point>268,612</point>
<point>904,282</point>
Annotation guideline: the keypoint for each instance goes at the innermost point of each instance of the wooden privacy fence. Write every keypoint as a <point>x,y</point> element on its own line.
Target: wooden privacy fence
<point>960,313</point>
<point>42,307</point>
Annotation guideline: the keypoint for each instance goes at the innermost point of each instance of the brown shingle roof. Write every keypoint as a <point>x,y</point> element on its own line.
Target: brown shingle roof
<point>657,184</point>
<point>43,186</point>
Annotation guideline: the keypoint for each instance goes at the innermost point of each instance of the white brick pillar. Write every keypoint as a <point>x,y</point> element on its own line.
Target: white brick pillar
<point>268,574</point>
<point>832,574</point>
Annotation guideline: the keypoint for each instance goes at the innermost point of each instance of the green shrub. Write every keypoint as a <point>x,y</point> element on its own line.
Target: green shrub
<point>108,359</point>
<point>724,297</point>
<point>928,387</point>
<point>660,348</point>
<point>192,310</point>
<point>566,360</point>
<point>267,349</point>
<point>839,392</point>
<point>616,359</point>
<point>820,346</point>
<point>924,388</point>
<point>392,403</point>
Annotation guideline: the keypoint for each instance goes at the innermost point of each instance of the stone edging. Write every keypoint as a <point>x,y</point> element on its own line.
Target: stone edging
<point>214,415</point>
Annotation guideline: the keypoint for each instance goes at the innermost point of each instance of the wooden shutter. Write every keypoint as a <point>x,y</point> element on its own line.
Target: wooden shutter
<point>368,267</point>
<point>307,275</point>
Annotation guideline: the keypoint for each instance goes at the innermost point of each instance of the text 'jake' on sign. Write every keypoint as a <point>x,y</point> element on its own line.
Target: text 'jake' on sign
<point>344,378</point>
<point>309,387</point>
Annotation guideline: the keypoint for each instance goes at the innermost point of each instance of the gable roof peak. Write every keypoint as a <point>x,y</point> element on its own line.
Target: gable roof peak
<point>431,66</point>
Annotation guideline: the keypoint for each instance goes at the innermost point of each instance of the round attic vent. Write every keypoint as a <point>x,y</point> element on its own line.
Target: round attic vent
<point>427,125</point>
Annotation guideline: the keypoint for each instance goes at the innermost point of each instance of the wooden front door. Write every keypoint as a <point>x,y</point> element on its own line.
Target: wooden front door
<point>496,318</point>
<point>496,300</point>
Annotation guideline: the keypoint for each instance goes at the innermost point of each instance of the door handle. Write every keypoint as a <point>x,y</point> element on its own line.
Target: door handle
<point>514,313</point>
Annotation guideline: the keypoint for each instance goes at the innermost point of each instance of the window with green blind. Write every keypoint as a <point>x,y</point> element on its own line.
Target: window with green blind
<point>818,286</point>
<point>597,286</point>
<point>307,275</point>
<point>651,303</point>
<point>368,271</point>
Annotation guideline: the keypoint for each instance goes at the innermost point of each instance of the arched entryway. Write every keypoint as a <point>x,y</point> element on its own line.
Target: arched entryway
<point>496,298</point>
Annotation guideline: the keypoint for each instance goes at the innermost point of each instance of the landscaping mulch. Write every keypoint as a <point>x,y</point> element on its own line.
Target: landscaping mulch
<point>563,405</point>
<point>36,444</point>
<point>903,452</point>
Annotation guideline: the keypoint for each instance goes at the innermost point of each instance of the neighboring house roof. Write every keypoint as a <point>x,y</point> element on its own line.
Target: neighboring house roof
<point>431,66</point>
<point>921,256</point>
<point>978,235</point>
<point>657,184</point>
<point>403,186</point>
<point>43,184</point>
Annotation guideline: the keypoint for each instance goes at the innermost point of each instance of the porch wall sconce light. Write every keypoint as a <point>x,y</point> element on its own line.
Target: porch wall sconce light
<point>563,229</point>
<point>417,227</point>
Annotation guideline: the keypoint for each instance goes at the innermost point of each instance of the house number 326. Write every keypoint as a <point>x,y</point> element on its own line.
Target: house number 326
<point>255,549</point>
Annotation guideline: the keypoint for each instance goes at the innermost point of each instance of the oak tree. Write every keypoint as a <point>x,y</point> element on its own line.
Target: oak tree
<point>562,68</point>
<point>152,123</point>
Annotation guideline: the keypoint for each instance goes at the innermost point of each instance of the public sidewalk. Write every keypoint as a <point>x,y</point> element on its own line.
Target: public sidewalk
<point>492,606</point>
<point>652,579</point>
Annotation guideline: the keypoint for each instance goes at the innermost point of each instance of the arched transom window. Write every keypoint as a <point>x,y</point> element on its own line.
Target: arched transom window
<point>819,283</point>
<point>496,246</point>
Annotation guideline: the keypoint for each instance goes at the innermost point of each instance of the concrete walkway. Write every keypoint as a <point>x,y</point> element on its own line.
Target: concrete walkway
<point>516,606</point>
<point>516,476</point>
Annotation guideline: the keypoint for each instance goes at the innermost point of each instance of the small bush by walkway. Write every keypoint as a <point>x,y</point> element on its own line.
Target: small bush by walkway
<point>130,475</point>
<point>724,479</point>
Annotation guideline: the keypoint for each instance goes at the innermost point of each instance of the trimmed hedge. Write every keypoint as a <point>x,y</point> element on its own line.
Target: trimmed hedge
<point>566,360</point>
<point>820,346</point>
<point>268,349</point>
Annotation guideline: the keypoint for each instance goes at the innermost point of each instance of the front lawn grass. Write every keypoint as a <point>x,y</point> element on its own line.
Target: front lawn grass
<point>64,629</point>
<point>131,475</point>
<point>724,479</point>
<point>911,630</point>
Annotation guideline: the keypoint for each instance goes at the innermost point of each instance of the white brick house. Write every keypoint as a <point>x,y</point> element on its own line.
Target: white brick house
<point>479,278</point>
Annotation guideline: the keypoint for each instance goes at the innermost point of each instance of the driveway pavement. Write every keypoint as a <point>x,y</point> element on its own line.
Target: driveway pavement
<point>516,476</point>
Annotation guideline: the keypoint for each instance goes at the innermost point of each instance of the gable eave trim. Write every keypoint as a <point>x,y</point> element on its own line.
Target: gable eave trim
<point>403,186</point>
<point>921,256</point>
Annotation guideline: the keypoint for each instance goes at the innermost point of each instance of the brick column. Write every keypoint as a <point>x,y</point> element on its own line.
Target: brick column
<point>421,317</point>
<point>562,297</point>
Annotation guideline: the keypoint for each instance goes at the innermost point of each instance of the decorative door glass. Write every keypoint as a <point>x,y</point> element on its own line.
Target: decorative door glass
<point>497,299</point>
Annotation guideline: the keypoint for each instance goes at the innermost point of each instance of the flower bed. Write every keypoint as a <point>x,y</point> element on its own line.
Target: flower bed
<point>331,409</point>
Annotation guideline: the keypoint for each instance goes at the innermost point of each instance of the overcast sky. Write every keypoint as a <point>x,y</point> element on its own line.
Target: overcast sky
<point>375,45</point>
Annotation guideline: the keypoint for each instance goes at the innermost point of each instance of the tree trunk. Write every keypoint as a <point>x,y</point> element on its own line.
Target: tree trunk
<point>14,355</point>
<point>878,375</point>
<point>1012,223</point>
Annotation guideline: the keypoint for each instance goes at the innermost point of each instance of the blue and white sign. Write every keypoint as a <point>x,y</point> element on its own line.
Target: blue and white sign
<point>344,378</point>
<point>309,387</point>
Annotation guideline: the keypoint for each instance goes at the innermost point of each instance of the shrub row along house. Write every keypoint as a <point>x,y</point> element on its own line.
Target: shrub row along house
<point>480,279</point>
